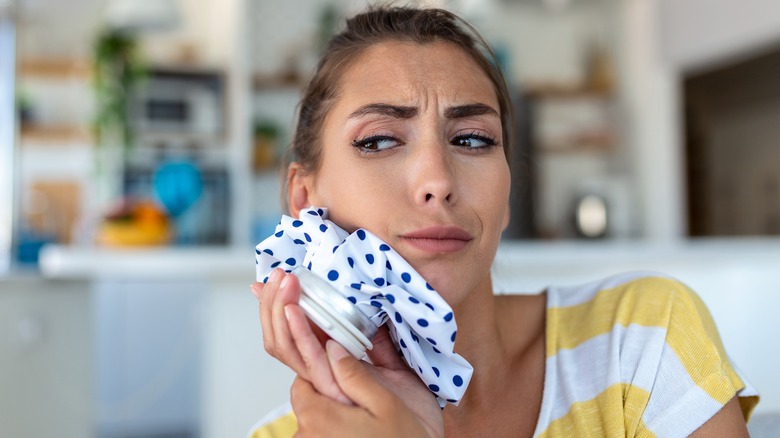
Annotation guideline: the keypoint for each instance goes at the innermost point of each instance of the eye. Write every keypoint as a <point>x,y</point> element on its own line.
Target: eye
<point>376,143</point>
<point>473,141</point>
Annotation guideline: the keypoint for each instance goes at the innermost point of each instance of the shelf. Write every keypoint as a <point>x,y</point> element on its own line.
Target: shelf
<point>55,68</point>
<point>564,91</point>
<point>265,81</point>
<point>55,134</point>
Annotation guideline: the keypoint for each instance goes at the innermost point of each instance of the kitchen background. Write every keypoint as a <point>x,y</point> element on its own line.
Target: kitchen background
<point>139,151</point>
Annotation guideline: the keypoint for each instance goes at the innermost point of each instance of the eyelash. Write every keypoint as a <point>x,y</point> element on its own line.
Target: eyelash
<point>362,144</point>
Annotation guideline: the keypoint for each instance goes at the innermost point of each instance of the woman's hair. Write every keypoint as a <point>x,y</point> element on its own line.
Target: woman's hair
<point>377,25</point>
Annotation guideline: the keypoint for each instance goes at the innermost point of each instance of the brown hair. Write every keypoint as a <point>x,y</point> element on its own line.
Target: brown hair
<point>380,24</point>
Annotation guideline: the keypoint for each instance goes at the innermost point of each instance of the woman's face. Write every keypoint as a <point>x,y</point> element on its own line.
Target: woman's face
<point>412,152</point>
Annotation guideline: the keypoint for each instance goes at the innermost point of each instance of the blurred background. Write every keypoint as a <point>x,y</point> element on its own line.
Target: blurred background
<point>139,153</point>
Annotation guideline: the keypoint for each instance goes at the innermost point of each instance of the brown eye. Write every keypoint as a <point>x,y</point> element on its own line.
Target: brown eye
<point>376,143</point>
<point>473,141</point>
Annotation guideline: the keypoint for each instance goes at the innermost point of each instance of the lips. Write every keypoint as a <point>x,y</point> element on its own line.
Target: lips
<point>438,239</point>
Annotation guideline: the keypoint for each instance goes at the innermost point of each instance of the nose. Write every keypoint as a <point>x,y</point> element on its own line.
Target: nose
<point>433,176</point>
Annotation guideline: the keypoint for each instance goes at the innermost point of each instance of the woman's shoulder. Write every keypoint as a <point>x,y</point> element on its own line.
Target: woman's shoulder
<point>642,297</point>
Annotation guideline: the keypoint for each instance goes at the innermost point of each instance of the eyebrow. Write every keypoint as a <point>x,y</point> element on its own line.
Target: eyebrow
<point>398,112</point>
<point>407,112</point>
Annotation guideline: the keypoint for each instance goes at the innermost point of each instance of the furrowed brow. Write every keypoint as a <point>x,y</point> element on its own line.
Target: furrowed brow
<point>398,112</point>
<point>470,110</point>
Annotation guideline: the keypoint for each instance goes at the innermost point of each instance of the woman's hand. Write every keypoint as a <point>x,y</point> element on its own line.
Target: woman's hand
<point>389,400</point>
<point>279,298</point>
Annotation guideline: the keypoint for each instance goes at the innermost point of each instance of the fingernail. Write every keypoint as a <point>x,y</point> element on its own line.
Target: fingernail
<point>335,351</point>
<point>284,282</point>
<point>255,290</point>
<point>287,312</point>
<point>274,277</point>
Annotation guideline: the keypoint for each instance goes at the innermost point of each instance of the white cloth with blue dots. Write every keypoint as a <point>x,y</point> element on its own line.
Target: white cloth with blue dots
<point>382,285</point>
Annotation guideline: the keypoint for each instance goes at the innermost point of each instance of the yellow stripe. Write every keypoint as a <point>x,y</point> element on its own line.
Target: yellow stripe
<point>616,412</point>
<point>570,326</point>
<point>282,427</point>
<point>654,302</point>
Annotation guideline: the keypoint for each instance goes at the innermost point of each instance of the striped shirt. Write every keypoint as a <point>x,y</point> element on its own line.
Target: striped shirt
<point>635,354</point>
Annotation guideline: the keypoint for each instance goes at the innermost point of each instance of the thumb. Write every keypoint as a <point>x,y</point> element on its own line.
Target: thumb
<point>354,378</point>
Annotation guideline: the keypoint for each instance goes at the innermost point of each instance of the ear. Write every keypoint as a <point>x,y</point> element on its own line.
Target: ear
<point>299,186</point>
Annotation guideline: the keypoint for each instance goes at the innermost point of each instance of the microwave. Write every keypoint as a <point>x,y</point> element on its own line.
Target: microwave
<point>180,103</point>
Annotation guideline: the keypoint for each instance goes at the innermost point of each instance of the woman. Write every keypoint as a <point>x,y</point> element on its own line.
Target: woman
<point>404,131</point>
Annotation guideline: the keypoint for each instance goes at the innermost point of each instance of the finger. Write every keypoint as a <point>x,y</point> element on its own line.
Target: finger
<point>266,299</point>
<point>314,411</point>
<point>355,380</point>
<point>257,290</point>
<point>384,354</point>
<point>285,349</point>
<point>314,356</point>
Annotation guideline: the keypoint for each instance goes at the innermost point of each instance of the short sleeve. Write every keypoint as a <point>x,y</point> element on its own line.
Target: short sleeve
<point>695,377</point>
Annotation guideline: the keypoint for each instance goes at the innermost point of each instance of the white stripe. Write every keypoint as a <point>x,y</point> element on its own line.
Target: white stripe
<point>574,295</point>
<point>623,355</point>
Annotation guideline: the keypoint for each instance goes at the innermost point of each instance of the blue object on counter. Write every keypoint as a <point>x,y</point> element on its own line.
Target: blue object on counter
<point>178,185</point>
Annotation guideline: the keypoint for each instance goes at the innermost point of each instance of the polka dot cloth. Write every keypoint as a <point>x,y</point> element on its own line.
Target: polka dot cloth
<point>382,285</point>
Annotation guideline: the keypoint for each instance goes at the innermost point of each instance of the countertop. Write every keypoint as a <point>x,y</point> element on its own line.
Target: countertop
<point>529,262</point>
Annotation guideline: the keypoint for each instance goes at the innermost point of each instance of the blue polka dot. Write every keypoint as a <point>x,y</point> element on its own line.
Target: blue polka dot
<point>415,338</point>
<point>457,380</point>
<point>436,371</point>
<point>333,275</point>
<point>403,344</point>
<point>275,264</point>
<point>390,297</point>
<point>428,286</point>
<point>268,251</point>
<point>288,270</point>
<point>420,370</point>
<point>379,281</point>
<point>452,338</point>
<point>422,322</point>
<point>265,280</point>
<point>431,341</point>
<point>452,400</point>
<point>433,388</point>
<point>320,212</point>
<point>323,228</point>
<point>361,234</point>
<point>309,266</point>
<point>435,350</point>
<point>388,265</point>
<point>351,262</point>
<point>376,304</point>
<point>279,234</point>
<point>430,306</point>
<point>355,286</point>
<point>307,237</point>
<point>370,259</point>
<point>352,299</point>
<point>398,318</point>
<point>448,317</point>
<point>414,300</point>
<point>290,261</point>
<point>384,247</point>
<point>335,248</point>
<point>298,242</point>
<point>296,223</point>
<point>406,277</point>
<point>257,251</point>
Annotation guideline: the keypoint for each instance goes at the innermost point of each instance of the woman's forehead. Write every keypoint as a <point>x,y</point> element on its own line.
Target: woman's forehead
<point>408,73</point>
